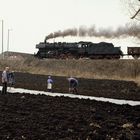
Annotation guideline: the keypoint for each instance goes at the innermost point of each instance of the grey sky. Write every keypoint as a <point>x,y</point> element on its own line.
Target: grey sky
<point>32,20</point>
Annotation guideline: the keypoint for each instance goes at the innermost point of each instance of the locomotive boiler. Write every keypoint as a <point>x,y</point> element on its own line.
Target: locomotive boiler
<point>64,50</point>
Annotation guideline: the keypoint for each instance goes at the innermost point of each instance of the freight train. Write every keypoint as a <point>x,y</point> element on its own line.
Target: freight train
<point>77,50</point>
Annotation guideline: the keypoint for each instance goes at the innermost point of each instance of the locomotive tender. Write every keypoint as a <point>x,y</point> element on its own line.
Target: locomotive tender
<point>63,50</point>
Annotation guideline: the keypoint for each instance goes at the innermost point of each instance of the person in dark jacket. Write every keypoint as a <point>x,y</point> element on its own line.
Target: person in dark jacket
<point>11,78</point>
<point>73,84</point>
<point>5,80</point>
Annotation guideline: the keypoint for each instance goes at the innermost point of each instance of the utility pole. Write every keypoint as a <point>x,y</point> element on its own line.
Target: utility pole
<point>8,42</point>
<point>2,38</point>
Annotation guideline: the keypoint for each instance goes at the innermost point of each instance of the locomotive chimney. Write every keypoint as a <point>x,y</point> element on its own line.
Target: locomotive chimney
<point>54,40</point>
<point>45,40</point>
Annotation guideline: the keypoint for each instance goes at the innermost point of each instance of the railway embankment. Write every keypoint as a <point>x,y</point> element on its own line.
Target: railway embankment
<point>85,68</point>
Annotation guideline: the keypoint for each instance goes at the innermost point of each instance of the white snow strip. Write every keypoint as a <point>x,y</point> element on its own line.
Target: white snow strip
<point>115,101</point>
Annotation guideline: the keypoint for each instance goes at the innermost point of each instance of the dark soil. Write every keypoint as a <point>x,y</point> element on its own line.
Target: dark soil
<point>40,117</point>
<point>92,87</point>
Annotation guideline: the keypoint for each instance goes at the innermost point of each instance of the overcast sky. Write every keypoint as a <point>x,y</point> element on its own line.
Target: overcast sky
<point>32,20</point>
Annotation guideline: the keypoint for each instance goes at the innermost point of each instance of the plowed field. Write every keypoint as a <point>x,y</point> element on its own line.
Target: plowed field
<point>40,117</point>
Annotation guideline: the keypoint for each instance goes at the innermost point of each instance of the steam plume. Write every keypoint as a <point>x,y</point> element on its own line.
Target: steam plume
<point>128,30</point>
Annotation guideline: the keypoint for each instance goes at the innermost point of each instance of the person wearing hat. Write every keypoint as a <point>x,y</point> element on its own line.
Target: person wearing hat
<point>49,84</point>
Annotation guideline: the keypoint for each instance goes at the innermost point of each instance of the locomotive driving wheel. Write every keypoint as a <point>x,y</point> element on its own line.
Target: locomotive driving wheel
<point>70,56</point>
<point>136,56</point>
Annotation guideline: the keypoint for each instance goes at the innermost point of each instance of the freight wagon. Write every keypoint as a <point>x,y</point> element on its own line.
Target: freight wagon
<point>134,52</point>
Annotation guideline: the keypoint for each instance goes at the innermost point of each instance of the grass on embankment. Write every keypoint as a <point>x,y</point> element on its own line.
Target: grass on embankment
<point>106,69</point>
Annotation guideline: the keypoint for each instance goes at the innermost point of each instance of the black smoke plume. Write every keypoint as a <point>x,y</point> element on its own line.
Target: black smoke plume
<point>127,30</point>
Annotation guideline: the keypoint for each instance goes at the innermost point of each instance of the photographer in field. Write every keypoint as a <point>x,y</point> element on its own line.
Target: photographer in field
<point>11,78</point>
<point>73,84</point>
<point>5,80</point>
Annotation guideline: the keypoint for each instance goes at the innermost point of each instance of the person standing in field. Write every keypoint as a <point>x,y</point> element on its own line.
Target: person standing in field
<point>5,80</point>
<point>49,84</point>
<point>11,78</point>
<point>73,84</point>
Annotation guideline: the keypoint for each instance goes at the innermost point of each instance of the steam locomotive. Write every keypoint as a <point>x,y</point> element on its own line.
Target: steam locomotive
<point>63,50</point>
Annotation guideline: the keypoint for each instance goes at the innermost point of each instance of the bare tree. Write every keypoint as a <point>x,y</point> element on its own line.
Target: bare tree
<point>133,7</point>
<point>137,12</point>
